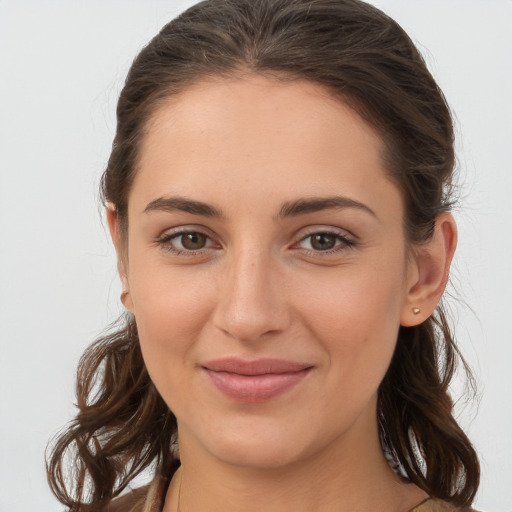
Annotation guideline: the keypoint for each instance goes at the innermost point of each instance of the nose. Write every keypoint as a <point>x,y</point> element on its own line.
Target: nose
<point>252,301</point>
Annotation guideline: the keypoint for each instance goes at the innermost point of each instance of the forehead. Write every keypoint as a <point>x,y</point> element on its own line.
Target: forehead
<point>254,134</point>
<point>300,109</point>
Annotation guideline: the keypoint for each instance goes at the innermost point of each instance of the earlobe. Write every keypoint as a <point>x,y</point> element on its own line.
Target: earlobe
<point>429,271</point>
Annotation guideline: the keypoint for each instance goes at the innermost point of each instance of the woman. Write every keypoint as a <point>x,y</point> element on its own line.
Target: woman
<point>278,193</point>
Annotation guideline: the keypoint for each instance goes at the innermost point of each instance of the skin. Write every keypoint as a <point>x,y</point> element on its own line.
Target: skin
<point>259,288</point>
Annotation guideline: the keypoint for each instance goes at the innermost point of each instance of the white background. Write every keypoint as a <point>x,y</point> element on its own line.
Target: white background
<point>62,64</point>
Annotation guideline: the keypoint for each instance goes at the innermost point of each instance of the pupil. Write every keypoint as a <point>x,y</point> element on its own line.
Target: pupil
<point>323,242</point>
<point>193,241</point>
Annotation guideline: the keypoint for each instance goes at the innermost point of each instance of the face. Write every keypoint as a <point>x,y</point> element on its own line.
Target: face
<point>267,270</point>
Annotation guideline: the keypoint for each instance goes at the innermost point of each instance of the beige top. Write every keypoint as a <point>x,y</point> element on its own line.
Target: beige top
<point>432,505</point>
<point>135,501</point>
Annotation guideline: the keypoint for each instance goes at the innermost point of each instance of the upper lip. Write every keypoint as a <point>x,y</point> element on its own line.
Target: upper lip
<point>256,367</point>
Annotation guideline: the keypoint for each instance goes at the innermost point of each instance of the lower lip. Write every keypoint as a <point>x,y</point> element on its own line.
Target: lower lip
<point>255,388</point>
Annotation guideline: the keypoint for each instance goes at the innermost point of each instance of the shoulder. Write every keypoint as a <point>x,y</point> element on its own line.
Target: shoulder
<point>149,498</point>
<point>432,505</point>
<point>132,501</point>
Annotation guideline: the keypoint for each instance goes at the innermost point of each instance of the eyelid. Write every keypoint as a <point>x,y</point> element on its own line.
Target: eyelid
<point>186,228</point>
<point>322,228</point>
<point>163,240</point>
<point>348,240</point>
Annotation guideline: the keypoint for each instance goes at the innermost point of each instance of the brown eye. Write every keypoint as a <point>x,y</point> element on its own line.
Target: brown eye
<point>323,241</point>
<point>187,243</point>
<point>193,241</point>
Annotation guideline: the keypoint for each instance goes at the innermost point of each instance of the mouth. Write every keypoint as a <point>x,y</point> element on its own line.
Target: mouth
<point>255,381</point>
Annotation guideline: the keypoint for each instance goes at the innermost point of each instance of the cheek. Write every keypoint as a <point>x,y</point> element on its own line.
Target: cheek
<point>361,298</point>
<point>171,308</point>
<point>356,317</point>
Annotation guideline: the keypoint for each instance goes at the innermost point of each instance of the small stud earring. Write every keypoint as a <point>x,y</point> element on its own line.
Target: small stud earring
<point>416,311</point>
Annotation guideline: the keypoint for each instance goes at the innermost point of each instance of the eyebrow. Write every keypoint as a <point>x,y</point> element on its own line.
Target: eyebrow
<point>316,204</point>
<point>171,204</point>
<point>289,209</point>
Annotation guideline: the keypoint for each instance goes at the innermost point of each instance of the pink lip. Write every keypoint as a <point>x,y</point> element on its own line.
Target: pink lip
<point>255,381</point>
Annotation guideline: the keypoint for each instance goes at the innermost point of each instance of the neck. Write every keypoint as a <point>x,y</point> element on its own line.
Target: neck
<point>351,475</point>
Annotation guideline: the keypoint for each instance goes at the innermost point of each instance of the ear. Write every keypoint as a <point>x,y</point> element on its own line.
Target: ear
<point>122,258</point>
<point>428,272</point>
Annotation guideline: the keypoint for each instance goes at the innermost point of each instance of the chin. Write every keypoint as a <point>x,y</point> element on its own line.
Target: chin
<point>262,443</point>
<point>256,454</point>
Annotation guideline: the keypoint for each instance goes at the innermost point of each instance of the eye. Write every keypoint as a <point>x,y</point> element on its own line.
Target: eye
<point>325,241</point>
<point>192,241</point>
<point>185,242</point>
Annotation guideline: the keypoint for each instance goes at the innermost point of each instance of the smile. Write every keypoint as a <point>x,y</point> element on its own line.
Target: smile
<point>255,381</point>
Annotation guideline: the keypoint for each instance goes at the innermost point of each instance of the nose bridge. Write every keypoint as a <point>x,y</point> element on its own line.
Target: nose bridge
<point>251,302</point>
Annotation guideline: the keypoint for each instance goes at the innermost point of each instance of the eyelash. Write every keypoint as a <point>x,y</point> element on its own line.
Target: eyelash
<point>164,242</point>
<point>342,242</point>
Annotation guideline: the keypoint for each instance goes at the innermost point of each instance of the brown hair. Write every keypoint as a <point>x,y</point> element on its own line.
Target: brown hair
<point>367,60</point>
